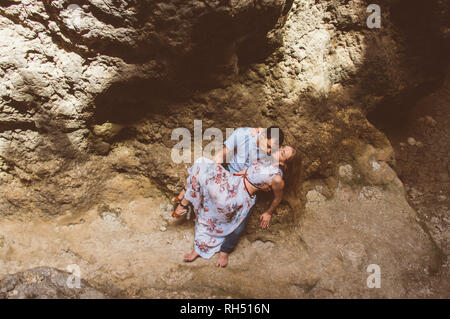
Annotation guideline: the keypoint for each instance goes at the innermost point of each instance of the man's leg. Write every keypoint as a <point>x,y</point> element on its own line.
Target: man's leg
<point>231,241</point>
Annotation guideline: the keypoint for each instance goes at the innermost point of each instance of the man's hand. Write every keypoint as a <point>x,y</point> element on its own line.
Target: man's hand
<point>265,220</point>
<point>266,187</point>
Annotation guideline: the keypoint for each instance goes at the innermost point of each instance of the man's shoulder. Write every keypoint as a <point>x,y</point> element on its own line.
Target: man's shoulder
<point>243,132</point>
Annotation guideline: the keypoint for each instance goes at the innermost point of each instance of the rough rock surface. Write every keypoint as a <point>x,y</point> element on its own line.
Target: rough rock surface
<point>62,65</point>
<point>424,166</point>
<point>90,94</point>
<point>45,283</point>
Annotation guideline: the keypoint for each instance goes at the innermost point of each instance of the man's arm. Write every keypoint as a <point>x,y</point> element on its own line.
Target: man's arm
<point>229,147</point>
<point>277,184</point>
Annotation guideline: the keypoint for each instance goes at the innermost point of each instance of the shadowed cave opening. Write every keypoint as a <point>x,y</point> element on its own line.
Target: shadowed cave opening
<point>222,46</point>
<point>419,25</point>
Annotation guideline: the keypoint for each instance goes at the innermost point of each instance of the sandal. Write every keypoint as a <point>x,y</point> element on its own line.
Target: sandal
<point>177,199</point>
<point>186,210</point>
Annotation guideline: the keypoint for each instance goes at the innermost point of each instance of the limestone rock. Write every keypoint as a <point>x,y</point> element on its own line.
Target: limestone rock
<point>411,141</point>
<point>90,94</point>
<point>346,172</point>
<point>45,283</point>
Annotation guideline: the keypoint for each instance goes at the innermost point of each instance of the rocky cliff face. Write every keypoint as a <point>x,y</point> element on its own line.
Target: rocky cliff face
<point>67,68</point>
<point>92,90</point>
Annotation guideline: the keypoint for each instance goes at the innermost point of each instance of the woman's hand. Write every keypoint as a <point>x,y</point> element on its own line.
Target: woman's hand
<point>277,184</point>
<point>265,220</point>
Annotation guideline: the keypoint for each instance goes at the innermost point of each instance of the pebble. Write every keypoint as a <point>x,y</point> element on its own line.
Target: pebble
<point>163,228</point>
<point>315,196</point>
<point>411,141</point>
<point>431,121</point>
<point>346,172</point>
<point>277,74</point>
<point>375,165</point>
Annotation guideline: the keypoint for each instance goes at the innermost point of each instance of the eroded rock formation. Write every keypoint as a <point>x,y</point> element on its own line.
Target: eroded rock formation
<point>92,90</point>
<point>46,283</point>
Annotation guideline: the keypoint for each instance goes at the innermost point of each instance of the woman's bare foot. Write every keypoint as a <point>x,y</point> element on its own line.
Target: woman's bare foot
<point>222,261</point>
<point>191,256</point>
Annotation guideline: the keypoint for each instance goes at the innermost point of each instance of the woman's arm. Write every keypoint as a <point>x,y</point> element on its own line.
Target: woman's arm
<point>277,184</point>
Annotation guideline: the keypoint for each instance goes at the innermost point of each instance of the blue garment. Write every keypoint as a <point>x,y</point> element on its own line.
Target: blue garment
<point>244,147</point>
<point>247,151</point>
<point>232,239</point>
<point>221,200</point>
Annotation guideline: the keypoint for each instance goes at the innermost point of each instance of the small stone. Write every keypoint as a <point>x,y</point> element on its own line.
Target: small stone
<point>260,69</point>
<point>430,121</point>
<point>315,196</point>
<point>414,193</point>
<point>277,74</point>
<point>375,166</point>
<point>443,177</point>
<point>300,54</point>
<point>411,141</point>
<point>107,130</point>
<point>163,228</point>
<point>370,193</point>
<point>101,148</point>
<point>346,172</point>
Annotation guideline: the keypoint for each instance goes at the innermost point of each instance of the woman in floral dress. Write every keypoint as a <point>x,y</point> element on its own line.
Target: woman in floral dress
<point>221,200</point>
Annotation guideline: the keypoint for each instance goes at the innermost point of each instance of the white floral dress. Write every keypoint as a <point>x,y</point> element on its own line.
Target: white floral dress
<point>221,200</point>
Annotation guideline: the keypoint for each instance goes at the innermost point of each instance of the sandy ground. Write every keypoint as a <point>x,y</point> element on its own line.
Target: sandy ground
<point>124,250</point>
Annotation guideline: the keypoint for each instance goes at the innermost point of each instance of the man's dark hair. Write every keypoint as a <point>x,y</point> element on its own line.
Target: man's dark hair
<point>280,134</point>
